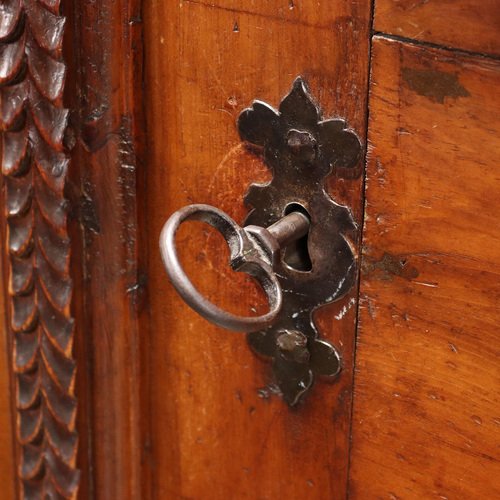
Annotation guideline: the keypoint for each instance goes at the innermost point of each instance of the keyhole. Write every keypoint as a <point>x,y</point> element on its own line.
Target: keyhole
<point>297,253</point>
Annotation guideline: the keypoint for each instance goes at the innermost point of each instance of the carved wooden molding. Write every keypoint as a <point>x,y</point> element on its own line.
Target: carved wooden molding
<point>39,288</point>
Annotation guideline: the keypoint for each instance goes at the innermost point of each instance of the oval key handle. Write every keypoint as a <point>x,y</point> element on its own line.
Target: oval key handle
<point>253,249</point>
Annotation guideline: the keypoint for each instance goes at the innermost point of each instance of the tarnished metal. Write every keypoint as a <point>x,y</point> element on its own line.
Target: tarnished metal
<point>301,149</point>
<point>252,250</point>
<point>303,259</point>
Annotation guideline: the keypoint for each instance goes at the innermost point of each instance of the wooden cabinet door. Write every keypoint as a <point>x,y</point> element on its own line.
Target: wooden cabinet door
<point>116,113</point>
<point>425,421</point>
<point>214,421</point>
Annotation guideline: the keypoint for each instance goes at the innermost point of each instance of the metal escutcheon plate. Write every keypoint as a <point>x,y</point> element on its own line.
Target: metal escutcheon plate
<point>294,240</point>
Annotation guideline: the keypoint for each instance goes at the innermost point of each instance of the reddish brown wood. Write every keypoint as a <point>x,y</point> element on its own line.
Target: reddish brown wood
<point>466,24</point>
<point>8,476</point>
<point>213,434</point>
<point>425,422</point>
<point>168,405</point>
<point>34,166</point>
<point>104,91</point>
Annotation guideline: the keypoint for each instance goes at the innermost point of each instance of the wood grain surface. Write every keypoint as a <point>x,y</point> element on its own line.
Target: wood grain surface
<point>8,476</point>
<point>426,420</point>
<point>214,433</point>
<point>464,24</point>
<point>170,406</point>
<point>104,91</point>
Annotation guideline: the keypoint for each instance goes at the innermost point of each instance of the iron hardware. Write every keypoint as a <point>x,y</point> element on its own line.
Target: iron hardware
<point>294,240</point>
<point>253,249</point>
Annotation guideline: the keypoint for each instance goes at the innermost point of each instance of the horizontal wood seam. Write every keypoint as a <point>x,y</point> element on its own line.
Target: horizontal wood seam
<point>431,45</point>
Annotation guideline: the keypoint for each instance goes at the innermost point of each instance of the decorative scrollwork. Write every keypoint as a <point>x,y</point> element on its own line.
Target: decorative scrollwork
<point>301,149</point>
<point>34,168</point>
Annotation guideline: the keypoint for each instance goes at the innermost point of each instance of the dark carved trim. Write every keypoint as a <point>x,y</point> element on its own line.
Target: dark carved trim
<point>39,290</point>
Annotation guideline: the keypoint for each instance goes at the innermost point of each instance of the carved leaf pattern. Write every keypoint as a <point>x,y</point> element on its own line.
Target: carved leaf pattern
<point>34,165</point>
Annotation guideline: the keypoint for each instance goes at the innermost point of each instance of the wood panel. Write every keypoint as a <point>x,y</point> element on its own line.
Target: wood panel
<point>217,430</point>
<point>426,409</point>
<point>466,24</point>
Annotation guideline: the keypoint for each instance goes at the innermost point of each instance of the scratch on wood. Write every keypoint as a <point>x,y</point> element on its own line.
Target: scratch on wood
<point>388,267</point>
<point>345,309</point>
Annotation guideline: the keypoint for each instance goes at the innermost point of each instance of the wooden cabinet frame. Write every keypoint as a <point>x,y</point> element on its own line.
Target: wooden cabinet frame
<point>79,139</point>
